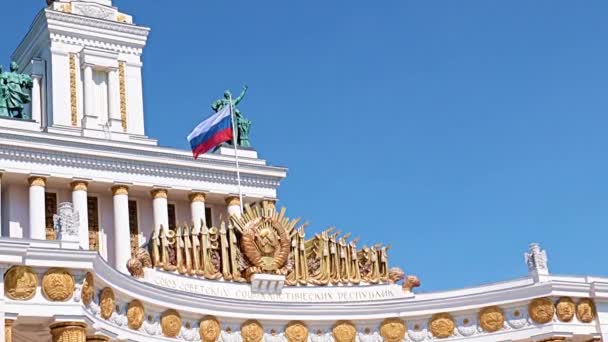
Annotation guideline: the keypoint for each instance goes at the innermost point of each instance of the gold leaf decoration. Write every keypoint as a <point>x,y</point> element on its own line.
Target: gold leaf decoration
<point>541,310</point>
<point>344,331</point>
<point>491,319</point>
<point>393,330</point>
<point>296,332</point>
<point>58,285</point>
<point>20,283</point>
<point>442,325</point>
<point>565,309</point>
<point>252,331</point>
<point>209,329</point>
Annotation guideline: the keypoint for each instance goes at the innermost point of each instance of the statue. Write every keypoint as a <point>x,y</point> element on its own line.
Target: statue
<point>242,124</point>
<point>536,259</point>
<point>14,93</point>
<point>67,222</point>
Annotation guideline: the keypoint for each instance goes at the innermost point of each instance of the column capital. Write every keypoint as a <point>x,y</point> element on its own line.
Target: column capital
<point>159,193</point>
<point>79,185</point>
<point>120,190</point>
<point>233,200</point>
<point>9,322</point>
<point>97,338</point>
<point>8,330</point>
<point>197,197</point>
<point>37,181</point>
<point>68,331</point>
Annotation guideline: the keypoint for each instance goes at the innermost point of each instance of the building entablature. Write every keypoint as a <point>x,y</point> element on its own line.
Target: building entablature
<point>40,277</point>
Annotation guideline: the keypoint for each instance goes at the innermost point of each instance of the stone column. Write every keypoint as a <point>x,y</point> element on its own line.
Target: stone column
<point>197,209</point>
<point>36,98</point>
<point>97,338</point>
<point>161,210</point>
<point>69,332</point>
<point>122,234</point>
<point>37,208</point>
<point>234,205</point>
<point>80,201</point>
<point>88,90</point>
<point>8,330</point>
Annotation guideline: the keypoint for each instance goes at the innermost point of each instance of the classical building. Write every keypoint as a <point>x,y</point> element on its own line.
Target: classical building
<point>106,236</point>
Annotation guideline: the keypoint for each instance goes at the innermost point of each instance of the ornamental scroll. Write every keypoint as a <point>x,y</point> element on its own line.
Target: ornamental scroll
<point>263,240</point>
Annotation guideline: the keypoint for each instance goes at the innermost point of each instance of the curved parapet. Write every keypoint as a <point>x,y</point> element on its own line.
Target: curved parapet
<point>163,306</point>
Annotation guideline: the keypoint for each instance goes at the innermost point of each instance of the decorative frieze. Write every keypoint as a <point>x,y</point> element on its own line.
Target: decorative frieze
<point>73,91</point>
<point>122,85</point>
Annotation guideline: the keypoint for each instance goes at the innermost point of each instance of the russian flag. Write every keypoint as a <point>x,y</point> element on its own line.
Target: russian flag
<point>211,132</point>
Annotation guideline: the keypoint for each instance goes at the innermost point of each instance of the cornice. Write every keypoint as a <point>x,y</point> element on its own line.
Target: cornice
<point>97,23</point>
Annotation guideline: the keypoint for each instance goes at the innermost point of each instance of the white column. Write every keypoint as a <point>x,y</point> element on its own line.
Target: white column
<point>36,99</point>
<point>80,202</point>
<point>37,208</point>
<point>122,235</point>
<point>114,101</point>
<point>234,205</point>
<point>160,208</point>
<point>197,209</point>
<point>88,90</point>
<point>6,229</point>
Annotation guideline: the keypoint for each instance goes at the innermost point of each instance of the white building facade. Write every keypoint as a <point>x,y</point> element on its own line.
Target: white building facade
<point>154,255</point>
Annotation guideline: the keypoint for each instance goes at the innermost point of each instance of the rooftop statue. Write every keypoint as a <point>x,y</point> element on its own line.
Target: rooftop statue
<point>242,124</point>
<point>14,93</point>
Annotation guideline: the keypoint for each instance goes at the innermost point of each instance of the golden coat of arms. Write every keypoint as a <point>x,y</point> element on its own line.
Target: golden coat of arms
<point>265,239</point>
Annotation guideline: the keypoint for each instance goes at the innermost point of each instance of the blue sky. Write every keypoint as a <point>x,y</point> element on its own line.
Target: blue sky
<point>457,131</point>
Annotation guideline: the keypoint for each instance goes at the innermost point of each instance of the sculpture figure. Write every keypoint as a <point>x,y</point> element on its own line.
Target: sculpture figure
<point>14,92</point>
<point>242,124</point>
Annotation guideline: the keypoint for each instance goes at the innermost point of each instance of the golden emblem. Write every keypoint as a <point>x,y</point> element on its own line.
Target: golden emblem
<point>135,314</point>
<point>442,325</point>
<point>541,310</point>
<point>88,289</point>
<point>392,330</point>
<point>252,331</point>
<point>171,323</point>
<point>344,331</point>
<point>296,332</point>
<point>57,285</point>
<point>585,310</point>
<point>565,309</point>
<point>106,302</point>
<point>20,283</point>
<point>209,329</point>
<point>266,239</point>
<point>491,319</point>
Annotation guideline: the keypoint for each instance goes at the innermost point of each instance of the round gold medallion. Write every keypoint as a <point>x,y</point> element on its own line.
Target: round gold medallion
<point>392,330</point>
<point>491,319</point>
<point>58,285</point>
<point>20,283</point>
<point>565,309</point>
<point>252,331</point>
<point>209,329</point>
<point>541,310</point>
<point>88,289</point>
<point>171,323</point>
<point>344,332</point>
<point>106,302</point>
<point>296,332</point>
<point>585,310</point>
<point>442,325</point>
<point>135,314</point>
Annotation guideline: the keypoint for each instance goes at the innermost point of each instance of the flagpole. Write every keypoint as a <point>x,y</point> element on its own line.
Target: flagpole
<point>236,152</point>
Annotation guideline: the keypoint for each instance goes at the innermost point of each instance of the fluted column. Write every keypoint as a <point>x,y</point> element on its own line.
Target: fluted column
<point>37,208</point>
<point>234,205</point>
<point>8,330</point>
<point>197,209</point>
<point>69,332</point>
<point>122,235</point>
<point>80,201</point>
<point>160,208</point>
<point>97,338</point>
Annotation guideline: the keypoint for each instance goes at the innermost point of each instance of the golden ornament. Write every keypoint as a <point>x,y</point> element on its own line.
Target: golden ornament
<point>20,283</point>
<point>252,331</point>
<point>171,323</point>
<point>88,289</point>
<point>296,332</point>
<point>565,309</point>
<point>135,314</point>
<point>209,329</point>
<point>58,285</point>
<point>344,331</point>
<point>106,302</point>
<point>392,330</point>
<point>585,310</point>
<point>442,325</point>
<point>541,310</point>
<point>491,319</point>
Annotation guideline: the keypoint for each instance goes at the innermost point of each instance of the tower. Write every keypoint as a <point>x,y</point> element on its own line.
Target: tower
<point>85,59</point>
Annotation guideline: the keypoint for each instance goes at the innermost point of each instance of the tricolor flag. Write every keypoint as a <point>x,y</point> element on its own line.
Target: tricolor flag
<point>211,132</point>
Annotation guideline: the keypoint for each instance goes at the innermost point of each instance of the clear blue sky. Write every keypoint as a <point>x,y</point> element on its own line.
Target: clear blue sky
<point>458,131</point>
